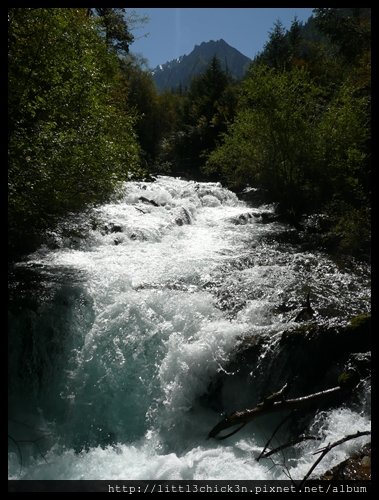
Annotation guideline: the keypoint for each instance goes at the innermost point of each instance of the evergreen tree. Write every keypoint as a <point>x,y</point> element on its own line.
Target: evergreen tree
<point>276,52</point>
<point>348,29</point>
<point>114,25</point>
<point>208,107</point>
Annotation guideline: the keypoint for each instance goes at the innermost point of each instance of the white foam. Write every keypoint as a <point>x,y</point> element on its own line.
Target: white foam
<point>159,336</point>
<point>221,461</point>
<point>331,426</point>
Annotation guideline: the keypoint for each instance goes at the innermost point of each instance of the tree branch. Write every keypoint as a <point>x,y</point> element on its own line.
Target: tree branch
<point>18,449</point>
<point>287,445</point>
<point>270,406</point>
<point>282,422</point>
<point>17,443</point>
<point>329,447</point>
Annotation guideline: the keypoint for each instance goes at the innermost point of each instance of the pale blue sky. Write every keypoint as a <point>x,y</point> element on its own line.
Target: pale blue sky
<point>173,32</point>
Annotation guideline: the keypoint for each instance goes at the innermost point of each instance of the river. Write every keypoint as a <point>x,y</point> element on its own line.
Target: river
<point>116,336</point>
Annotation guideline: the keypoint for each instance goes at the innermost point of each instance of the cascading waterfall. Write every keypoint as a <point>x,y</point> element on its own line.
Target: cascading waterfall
<point>115,336</point>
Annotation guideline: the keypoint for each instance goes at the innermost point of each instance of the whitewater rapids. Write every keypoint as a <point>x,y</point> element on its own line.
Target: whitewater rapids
<point>128,312</point>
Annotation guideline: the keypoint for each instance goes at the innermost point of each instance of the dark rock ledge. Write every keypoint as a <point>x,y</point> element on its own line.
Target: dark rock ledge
<point>309,358</point>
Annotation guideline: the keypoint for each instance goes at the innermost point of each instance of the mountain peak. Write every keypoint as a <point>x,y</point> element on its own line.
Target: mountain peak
<point>180,71</point>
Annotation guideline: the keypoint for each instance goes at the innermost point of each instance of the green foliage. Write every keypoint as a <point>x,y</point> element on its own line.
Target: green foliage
<point>361,321</point>
<point>270,142</point>
<point>69,143</point>
<point>343,134</point>
<point>350,231</point>
<point>142,98</point>
<point>307,147</point>
<point>302,126</point>
<point>348,29</point>
<point>205,111</point>
<point>276,52</point>
<point>156,114</point>
<point>83,114</point>
<point>114,24</point>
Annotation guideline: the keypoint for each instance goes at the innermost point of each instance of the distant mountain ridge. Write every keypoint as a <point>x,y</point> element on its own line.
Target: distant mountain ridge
<point>180,71</point>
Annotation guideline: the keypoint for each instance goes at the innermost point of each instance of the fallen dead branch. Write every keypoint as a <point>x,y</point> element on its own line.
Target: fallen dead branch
<point>272,404</point>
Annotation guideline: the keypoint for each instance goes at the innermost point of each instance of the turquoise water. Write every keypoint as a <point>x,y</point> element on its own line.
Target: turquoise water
<point>115,337</point>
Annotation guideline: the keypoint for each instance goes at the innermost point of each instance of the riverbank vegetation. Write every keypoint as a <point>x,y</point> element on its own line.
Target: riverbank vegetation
<point>302,130</point>
<point>71,132</point>
<point>84,115</point>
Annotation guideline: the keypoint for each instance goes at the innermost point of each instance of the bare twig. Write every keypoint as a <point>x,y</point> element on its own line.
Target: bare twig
<point>35,442</point>
<point>18,449</point>
<point>17,443</point>
<point>230,433</point>
<point>329,447</point>
<point>284,469</point>
<point>282,422</point>
<point>287,445</point>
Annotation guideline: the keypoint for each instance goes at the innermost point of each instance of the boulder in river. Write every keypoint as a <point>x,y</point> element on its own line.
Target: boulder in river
<point>241,219</point>
<point>309,358</point>
<point>183,217</point>
<point>111,227</point>
<point>146,200</point>
<point>357,467</point>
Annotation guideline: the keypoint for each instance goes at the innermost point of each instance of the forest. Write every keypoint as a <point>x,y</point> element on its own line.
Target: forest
<point>84,116</point>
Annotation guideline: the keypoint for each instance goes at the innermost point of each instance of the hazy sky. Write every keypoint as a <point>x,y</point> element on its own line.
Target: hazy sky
<point>173,32</point>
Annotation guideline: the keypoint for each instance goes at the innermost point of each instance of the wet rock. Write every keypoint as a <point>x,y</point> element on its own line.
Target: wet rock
<point>74,242</point>
<point>146,200</point>
<point>234,387</point>
<point>366,461</point>
<point>355,468</point>
<point>137,235</point>
<point>266,217</point>
<point>306,313</point>
<point>288,236</point>
<point>183,217</point>
<point>284,307</point>
<point>53,241</point>
<point>111,228</point>
<point>115,228</point>
<point>309,358</point>
<point>241,219</point>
